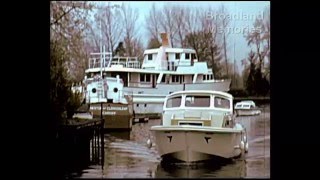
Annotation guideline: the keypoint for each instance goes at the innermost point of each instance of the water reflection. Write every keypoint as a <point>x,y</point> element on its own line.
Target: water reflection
<point>233,168</point>
<point>118,134</point>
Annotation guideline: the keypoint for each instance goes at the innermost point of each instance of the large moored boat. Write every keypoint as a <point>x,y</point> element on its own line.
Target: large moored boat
<point>162,71</point>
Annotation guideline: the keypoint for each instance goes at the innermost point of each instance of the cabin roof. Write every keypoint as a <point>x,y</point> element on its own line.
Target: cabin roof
<point>245,103</point>
<point>170,50</point>
<point>202,92</point>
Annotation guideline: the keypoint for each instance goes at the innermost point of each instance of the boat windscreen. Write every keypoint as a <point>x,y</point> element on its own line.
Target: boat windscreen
<point>197,101</point>
<point>174,102</point>
<point>220,102</point>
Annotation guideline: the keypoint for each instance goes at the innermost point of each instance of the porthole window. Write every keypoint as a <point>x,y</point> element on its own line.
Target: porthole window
<point>115,90</point>
<point>94,90</point>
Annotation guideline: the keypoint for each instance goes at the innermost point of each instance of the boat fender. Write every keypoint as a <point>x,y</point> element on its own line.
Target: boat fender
<point>149,143</point>
<point>246,147</point>
<point>242,146</point>
<point>237,152</point>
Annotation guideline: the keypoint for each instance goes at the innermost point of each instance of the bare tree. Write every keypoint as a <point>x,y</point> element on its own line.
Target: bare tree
<point>266,33</point>
<point>265,43</point>
<point>223,22</point>
<point>254,38</point>
<point>260,37</point>
<point>130,18</point>
<point>179,21</point>
<point>111,25</point>
<point>202,37</point>
<point>192,20</point>
<point>167,22</point>
<point>93,38</point>
<point>192,26</point>
<point>153,24</point>
<point>68,23</point>
<point>210,25</point>
<point>137,48</point>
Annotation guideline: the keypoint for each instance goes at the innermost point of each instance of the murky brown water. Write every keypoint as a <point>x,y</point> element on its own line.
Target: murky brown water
<point>127,156</point>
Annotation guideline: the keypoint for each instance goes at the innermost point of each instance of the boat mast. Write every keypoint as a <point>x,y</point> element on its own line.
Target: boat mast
<point>234,62</point>
<point>234,53</point>
<point>100,49</point>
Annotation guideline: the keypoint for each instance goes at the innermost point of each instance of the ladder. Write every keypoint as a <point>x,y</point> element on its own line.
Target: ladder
<point>100,90</point>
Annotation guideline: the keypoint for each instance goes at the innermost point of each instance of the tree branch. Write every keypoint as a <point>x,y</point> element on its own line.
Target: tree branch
<point>64,13</point>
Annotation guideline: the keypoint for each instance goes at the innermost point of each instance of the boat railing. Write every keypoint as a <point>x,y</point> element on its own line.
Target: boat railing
<point>128,62</point>
<point>96,63</point>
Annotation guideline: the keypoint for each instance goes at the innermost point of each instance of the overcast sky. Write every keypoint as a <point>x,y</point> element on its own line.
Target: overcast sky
<point>242,16</point>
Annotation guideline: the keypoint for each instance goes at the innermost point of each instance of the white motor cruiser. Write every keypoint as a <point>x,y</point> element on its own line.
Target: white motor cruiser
<point>199,125</point>
<point>246,108</point>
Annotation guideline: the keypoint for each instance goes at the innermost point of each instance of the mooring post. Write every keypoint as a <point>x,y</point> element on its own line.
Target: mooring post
<point>101,110</point>
<point>98,138</point>
<point>96,143</point>
<point>102,142</point>
<point>92,145</point>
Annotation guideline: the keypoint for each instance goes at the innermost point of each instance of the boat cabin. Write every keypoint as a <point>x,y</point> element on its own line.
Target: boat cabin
<point>163,65</point>
<point>105,90</point>
<point>198,108</point>
<point>245,105</point>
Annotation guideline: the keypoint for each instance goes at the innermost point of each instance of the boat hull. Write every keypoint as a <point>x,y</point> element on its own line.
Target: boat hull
<point>116,115</point>
<point>192,144</point>
<point>148,100</point>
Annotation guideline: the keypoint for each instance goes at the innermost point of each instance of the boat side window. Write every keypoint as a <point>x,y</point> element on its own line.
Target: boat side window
<point>220,102</point>
<point>163,78</point>
<point>175,78</point>
<point>144,77</point>
<point>197,101</point>
<point>187,56</point>
<point>193,56</point>
<point>174,102</point>
<point>149,57</point>
<point>147,77</point>
<point>141,77</point>
<point>177,55</point>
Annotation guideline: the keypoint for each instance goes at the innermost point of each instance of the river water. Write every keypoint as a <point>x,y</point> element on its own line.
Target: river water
<point>127,156</point>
